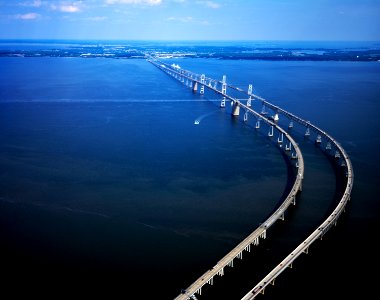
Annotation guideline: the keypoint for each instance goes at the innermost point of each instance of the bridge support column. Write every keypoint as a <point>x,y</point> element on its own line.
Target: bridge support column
<point>307,133</point>
<point>263,112</point>
<point>223,102</point>
<point>276,117</point>
<point>280,138</point>
<point>224,84</point>
<point>202,91</point>
<point>257,124</point>
<point>224,91</point>
<point>195,87</point>
<point>270,133</point>
<point>235,108</point>
<point>211,281</point>
<point>245,116</point>
<point>249,104</point>
<point>221,272</point>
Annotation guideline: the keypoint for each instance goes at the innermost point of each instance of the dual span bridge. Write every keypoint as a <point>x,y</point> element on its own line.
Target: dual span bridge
<point>330,146</point>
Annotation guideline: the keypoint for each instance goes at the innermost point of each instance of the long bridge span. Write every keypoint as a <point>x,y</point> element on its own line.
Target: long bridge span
<point>331,146</point>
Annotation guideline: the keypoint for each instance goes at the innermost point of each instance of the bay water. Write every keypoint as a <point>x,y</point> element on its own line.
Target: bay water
<point>108,185</point>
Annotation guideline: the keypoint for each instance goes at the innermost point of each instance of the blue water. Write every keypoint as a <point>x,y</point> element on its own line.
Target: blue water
<point>108,185</point>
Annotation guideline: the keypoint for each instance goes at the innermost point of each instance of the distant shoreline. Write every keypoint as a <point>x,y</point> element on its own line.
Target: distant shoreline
<point>228,50</point>
<point>333,57</point>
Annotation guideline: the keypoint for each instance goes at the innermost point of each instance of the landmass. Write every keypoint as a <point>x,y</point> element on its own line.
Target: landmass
<point>218,51</point>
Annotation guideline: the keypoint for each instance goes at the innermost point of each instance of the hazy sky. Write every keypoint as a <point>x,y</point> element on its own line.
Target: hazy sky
<point>191,19</point>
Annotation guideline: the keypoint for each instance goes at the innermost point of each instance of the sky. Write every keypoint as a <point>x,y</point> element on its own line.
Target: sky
<point>322,20</point>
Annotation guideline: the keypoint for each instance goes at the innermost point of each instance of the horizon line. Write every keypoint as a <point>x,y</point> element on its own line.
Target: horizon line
<point>185,40</point>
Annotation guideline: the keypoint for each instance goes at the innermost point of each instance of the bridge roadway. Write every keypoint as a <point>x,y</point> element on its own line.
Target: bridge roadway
<point>253,238</point>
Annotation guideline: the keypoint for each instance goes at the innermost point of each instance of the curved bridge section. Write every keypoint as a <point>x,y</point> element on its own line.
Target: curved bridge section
<point>333,148</point>
<point>195,82</point>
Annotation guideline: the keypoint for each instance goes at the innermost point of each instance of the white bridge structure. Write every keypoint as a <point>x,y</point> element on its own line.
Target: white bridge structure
<point>326,142</point>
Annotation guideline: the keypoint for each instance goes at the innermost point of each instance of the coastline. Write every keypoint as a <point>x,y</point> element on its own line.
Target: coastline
<point>230,50</point>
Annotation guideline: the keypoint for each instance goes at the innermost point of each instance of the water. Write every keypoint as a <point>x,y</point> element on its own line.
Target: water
<point>107,185</point>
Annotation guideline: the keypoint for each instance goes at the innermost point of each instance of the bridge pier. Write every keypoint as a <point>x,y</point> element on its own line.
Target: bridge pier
<point>202,91</point>
<point>280,138</point>
<point>270,133</point>
<point>235,108</point>
<point>263,112</point>
<point>211,281</point>
<point>257,124</point>
<point>195,87</point>
<point>245,116</point>
<point>307,133</point>
<point>249,102</point>
<point>224,91</point>
<point>223,102</point>
<point>276,117</point>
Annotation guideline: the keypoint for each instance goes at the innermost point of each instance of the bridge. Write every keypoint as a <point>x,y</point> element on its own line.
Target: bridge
<point>330,146</point>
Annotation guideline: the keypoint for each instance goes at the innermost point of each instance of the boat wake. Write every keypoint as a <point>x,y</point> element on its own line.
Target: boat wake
<point>199,119</point>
